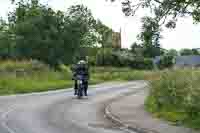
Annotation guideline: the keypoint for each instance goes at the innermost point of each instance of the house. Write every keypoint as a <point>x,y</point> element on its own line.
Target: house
<point>156,60</point>
<point>182,61</point>
<point>192,61</point>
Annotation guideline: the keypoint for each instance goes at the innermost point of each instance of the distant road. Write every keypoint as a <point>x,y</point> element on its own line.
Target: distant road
<point>61,112</point>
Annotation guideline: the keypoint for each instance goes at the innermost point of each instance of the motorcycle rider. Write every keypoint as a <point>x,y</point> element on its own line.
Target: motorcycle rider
<point>81,68</point>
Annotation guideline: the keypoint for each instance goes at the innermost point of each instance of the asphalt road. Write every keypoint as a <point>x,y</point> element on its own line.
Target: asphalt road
<point>60,112</point>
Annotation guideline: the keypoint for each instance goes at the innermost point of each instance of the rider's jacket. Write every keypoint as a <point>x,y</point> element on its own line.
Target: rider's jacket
<point>81,69</point>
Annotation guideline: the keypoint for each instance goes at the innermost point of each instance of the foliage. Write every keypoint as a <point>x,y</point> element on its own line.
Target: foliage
<point>172,52</point>
<point>122,58</point>
<point>121,74</point>
<point>186,52</point>
<point>104,34</point>
<point>195,52</point>
<point>92,61</point>
<point>141,63</point>
<point>162,12</point>
<point>30,76</point>
<point>175,97</point>
<point>35,31</point>
<point>137,49</point>
<point>86,52</point>
<point>6,41</point>
<point>105,57</point>
<point>84,23</point>
<point>25,65</point>
<point>166,61</point>
<point>165,11</point>
<point>35,76</point>
<point>150,37</point>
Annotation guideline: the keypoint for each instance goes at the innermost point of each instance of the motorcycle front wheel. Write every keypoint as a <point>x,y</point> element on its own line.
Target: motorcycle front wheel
<point>80,90</point>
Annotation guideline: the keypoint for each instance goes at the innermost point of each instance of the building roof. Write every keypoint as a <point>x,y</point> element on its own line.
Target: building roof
<point>157,59</point>
<point>192,60</point>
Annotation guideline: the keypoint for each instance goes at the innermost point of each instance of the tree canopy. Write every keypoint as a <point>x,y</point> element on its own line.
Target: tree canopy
<point>150,36</point>
<point>165,11</point>
<point>36,31</point>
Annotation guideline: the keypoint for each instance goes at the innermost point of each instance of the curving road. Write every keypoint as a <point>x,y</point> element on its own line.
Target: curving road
<point>60,112</point>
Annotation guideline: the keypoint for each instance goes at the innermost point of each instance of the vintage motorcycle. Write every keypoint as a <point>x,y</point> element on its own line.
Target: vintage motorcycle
<point>80,84</point>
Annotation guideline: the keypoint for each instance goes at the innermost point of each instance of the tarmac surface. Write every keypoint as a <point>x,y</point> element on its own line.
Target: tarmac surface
<point>61,112</point>
<point>129,112</point>
<point>115,107</point>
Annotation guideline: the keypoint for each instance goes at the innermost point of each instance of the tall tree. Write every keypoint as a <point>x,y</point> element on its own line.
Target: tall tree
<point>150,37</point>
<point>105,38</point>
<point>5,40</point>
<point>82,17</point>
<point>137,49</point>
<point>82,24</point>
<point>51,36</point>
<point>165,10</point>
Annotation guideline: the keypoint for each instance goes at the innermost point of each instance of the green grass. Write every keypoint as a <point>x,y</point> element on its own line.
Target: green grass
<point>122,74</point>
<point>27,85</point>
<point>174,94</point>
<point>19,77</point>
<point>30,76</point>
<point>175,97</point>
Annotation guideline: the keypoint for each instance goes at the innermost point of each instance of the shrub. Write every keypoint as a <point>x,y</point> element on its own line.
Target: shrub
<point>141,63</point>
<point>166,61</point>
<point>92,60</point>
<point>44,78</point>
<point>25,65</point>
<point>35,76</point>
<point>176,92</point>
<point>110,57</point>
<point>148,63</point>
<point>104,57</point>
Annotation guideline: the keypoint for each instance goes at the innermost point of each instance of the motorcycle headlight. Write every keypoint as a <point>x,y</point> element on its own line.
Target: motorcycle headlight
<point>80,81</point>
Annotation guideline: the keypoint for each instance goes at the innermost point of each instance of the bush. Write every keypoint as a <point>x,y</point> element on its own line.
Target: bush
<point>92,60</point>
<point>141,63</point>
<point>166,61</point>
<point>176,92</point>
<point>25,65</point>
<point>110,57</point>
<point>44,78</point>
<point>148,63</point>
<point>33,76</point>
<point>105,57</point>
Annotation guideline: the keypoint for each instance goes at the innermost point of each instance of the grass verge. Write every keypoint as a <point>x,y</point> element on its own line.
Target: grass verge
<point>33,76</point>
<point>175,97</point>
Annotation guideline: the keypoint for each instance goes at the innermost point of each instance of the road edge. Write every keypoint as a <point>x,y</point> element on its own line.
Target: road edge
<point>115,119</point>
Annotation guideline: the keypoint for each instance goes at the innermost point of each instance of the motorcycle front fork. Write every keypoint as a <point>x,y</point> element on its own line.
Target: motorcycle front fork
<point>76,92</point>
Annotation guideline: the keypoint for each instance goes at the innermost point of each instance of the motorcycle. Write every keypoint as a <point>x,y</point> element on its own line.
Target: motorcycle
<point>80,82</point>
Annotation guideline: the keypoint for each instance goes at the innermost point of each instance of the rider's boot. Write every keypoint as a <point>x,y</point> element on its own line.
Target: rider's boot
<point>75,87</point>
<point>86,93</point>
<point>75,92</point>
<point>86,88</point>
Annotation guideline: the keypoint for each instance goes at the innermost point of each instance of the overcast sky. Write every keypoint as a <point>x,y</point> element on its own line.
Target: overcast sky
<point>186,34</point>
